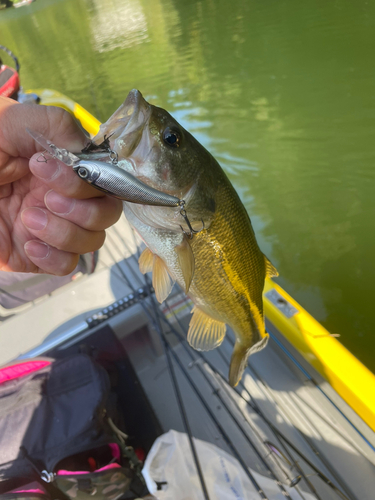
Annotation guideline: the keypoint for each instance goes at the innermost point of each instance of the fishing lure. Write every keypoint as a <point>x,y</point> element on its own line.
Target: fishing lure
<point>110,178</point>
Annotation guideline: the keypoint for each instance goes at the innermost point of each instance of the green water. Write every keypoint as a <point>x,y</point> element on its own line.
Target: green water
<point>282,93</point>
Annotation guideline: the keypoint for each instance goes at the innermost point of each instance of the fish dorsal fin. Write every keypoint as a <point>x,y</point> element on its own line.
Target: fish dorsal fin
<point>205,333</point>
<point>271,270</point>
<point>161,280</point>
<point>186,261</point>
<point>146,261</point>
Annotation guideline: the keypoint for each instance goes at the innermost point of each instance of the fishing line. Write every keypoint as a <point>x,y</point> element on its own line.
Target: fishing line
<point>132,270</point>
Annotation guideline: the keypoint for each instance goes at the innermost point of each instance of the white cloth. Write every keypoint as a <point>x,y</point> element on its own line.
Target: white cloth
<point>170,460</point>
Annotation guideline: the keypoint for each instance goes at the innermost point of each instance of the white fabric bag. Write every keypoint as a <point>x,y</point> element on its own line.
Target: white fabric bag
<point>170,461</point>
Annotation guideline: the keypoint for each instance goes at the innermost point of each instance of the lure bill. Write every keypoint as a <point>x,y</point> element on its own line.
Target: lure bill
<point>60,154</point>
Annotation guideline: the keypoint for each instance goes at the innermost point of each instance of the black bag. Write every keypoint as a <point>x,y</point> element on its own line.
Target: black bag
<point>53,416</point>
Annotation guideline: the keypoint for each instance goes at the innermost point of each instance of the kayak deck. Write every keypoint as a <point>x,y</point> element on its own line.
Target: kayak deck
<point>283,400</point>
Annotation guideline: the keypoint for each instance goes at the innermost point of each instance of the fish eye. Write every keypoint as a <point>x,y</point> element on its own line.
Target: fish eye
<point>171,137</point>
<point>83,173</point>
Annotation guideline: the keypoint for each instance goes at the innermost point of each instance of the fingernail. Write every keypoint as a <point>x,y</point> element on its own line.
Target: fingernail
<point>34,218</point>
<point>58,204</point>
<point>37,249</point>
<point>46,170</point>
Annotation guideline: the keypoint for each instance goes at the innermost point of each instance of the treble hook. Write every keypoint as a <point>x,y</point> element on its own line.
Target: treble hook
<point>42,156</point>
<point>184,215</point>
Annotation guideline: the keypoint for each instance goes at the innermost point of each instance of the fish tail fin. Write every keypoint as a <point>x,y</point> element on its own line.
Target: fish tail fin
<point>239,357</point>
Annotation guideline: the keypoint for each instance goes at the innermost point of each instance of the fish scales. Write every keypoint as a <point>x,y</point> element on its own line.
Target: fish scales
<point>229,267</point>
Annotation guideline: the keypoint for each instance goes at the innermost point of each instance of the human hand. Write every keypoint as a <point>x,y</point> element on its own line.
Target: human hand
<point>48,216</point>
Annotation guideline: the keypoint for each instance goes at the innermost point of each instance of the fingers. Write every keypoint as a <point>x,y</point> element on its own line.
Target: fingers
<point>50,260</point>
<point>60,233</point>
<point>74,227</point>
<point>70,220</point>
<point>12,169</point>
<point>95,214</point>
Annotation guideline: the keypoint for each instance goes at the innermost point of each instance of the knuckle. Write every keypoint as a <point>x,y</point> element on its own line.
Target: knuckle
<point>59,119</point>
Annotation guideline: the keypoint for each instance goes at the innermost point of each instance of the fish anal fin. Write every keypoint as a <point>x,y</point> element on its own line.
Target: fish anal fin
<point>186,261</point>
<point>239,358</point>
<point>146,261</point>
<point>161,280</point>
<point>271,270</point>
<point>205,333</point>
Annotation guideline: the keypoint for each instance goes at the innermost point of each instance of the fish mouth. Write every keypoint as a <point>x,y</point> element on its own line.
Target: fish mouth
<point>124,128</point>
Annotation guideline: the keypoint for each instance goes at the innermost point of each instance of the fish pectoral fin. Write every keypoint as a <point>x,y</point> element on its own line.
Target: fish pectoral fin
<point>146,261</point>
<point>205,333</point>
<point>271,270</point>
<point>161,280</point>
<point>239,358</point>
<point>186,261</point>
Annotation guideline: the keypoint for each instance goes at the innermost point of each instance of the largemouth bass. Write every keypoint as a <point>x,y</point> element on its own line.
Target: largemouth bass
<point>216,260</point>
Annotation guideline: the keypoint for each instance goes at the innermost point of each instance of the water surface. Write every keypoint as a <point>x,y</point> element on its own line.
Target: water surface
<point>282,93</point>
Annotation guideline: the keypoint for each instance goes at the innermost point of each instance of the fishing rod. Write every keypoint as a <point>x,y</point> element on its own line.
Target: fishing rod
<point>282,437</point>
<point>255,407</point>
<point>216,392</point>
<point>10,53</point>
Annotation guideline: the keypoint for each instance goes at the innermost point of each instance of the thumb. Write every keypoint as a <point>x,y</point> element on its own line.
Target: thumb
<point>54,123</point>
